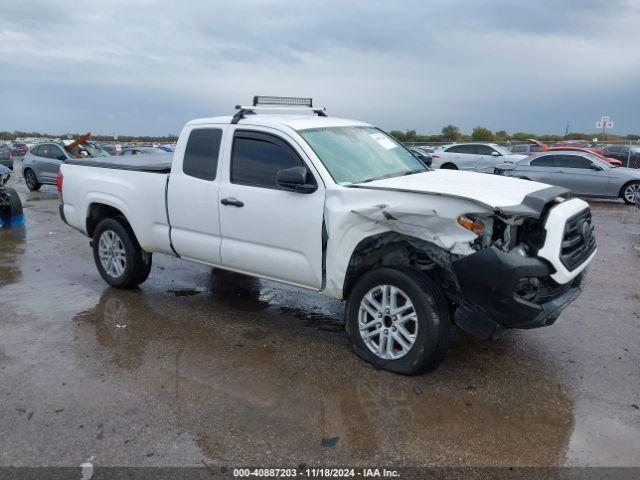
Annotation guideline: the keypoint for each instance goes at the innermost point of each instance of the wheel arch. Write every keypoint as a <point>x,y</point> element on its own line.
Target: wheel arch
<point>624,187</point>
<point>394,250</point>
<point>98,211</point>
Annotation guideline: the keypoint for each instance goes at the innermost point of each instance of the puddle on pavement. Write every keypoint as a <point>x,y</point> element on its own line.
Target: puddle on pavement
<point>239,371</point>
<point>12,247</point>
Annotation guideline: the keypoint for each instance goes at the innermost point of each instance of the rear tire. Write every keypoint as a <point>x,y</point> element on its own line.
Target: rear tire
<point>11,214</point>
<point>449,166</point>
<point>418,344</point>
<point>118,256</point>
<point>629,191</point>
<point>31,180</point>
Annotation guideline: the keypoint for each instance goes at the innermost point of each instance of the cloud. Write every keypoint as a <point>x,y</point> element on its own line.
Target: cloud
<point>147,67</point>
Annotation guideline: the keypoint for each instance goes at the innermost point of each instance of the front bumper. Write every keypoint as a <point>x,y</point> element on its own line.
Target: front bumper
<point>488,281</point>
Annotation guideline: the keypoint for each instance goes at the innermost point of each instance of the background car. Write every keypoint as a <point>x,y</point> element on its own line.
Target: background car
<point>21,148</point>
<point>479,157</point>
<point>629,155</point>
<point>6,156</point>
<point>143,151</point>
<point>581,172</point>
<point>5,173</point>
<point>527,148</point>
<point>579,143</point>
<point>41,164</point>
<point>424,157</point>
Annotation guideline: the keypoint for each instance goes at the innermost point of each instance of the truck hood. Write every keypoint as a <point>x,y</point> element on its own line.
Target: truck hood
<point>492,191</point>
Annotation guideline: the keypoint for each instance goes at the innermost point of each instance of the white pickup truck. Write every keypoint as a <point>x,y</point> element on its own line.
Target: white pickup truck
<point>340,207</point>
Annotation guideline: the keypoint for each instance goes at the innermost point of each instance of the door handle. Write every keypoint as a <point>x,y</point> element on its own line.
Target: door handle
<point>232,202</point>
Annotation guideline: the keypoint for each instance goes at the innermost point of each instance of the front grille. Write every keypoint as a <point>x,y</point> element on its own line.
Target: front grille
<point>578,242</point>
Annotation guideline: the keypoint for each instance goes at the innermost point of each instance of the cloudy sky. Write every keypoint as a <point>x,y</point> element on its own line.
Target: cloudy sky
<point>147,67</point>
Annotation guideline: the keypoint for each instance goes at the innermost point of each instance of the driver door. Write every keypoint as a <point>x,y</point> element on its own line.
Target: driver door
<point>268,231</point>
<point>487,158</point>
<point>581,175</point>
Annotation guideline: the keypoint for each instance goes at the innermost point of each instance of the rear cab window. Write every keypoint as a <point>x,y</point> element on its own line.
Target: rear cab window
<point>202,152</point>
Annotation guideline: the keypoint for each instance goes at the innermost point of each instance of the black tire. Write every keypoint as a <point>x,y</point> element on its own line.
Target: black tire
<point>10,207</point>
<point>433,321</point>
<point>31,180</point>
<point>449,166</point>
<point>634,187</point>
<point>137,262</point>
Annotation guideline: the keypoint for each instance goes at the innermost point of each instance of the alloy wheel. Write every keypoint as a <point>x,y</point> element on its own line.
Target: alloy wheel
<point>631,191</point>
<point>388,322</point>
<point>112,254</point>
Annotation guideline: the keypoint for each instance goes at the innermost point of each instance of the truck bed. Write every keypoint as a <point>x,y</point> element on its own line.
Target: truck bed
<point>138,163</point>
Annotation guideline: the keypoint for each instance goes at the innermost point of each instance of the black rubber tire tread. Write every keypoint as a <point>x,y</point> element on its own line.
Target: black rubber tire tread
<point>15,204</point>
<point>449,166</point>
<point>36,186</point>
<point>138,262</point>
<point>434,322</point>
<point>635,182</point>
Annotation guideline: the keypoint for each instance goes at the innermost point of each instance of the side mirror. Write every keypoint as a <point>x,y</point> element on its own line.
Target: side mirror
<point>593,166</point>
<point>294,179</point>
<point>495,154</point>
<point>62,157</point>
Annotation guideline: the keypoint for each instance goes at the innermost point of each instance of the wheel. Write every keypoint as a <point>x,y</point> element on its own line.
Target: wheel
<point>11,213</point>
<point>31,180</point>
<point>398,320</point>
<point>629,192</point>
<point>118,256</point>
<point>449,166</point>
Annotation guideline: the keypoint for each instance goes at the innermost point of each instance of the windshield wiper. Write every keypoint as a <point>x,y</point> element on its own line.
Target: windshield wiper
<point>392,175</point>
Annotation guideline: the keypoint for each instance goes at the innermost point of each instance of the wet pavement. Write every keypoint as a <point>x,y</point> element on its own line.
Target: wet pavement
<point>200,366</point>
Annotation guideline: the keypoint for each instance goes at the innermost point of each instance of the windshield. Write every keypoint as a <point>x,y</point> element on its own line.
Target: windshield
<point>598,161</point>
<point>502,150</point>
<point>360,154</point>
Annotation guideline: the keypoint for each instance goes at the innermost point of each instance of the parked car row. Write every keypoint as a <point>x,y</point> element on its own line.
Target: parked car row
<point>585,171</point>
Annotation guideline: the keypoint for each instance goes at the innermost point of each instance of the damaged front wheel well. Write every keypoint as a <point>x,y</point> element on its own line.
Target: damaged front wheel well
<point>394,250</point>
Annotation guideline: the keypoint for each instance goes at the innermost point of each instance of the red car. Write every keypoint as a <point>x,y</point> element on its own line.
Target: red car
<point>577,145</point>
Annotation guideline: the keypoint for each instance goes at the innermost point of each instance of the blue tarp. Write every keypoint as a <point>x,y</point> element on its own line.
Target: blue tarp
<point>13,221</point>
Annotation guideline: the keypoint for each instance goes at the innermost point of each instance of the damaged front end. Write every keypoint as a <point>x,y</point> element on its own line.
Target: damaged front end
<point>493,276</point>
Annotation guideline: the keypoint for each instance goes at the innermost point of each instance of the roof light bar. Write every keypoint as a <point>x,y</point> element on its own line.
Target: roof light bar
<point>261,102</point>
<point>282,101</point>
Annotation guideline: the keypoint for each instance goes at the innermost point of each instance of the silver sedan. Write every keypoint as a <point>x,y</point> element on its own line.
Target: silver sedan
<point>583,173</point>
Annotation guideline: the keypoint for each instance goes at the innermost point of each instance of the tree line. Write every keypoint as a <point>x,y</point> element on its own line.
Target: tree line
<point>99,138</point>
<point>451,133</point>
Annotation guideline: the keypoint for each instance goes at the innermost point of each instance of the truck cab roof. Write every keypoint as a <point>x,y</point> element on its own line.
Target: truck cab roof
<point>295,122</point>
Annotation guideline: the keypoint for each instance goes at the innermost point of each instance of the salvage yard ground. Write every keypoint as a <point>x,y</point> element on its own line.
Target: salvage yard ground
<point>202,366</point>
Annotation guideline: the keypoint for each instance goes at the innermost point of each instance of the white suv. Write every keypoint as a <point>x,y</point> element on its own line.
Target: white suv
<point>479,157</point>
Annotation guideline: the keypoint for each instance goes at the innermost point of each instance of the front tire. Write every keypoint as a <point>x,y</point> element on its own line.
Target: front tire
<point>629,192</point>
<point>449,166</point>
<point>31,180</point>
<point>398,320</point>
<point>119,258</point>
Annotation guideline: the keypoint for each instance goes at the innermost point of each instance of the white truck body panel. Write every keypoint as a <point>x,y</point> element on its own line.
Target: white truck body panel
<point>138,195</point>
